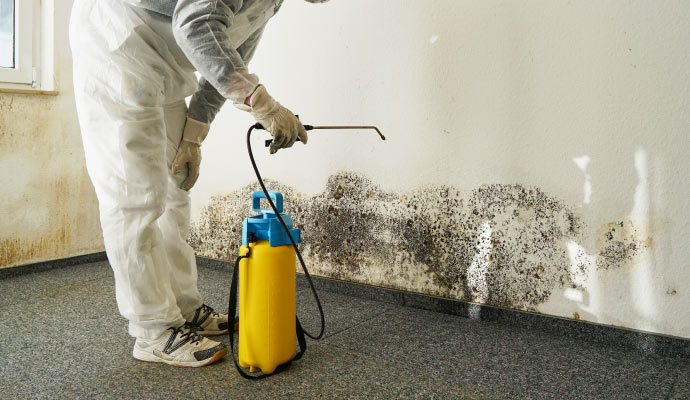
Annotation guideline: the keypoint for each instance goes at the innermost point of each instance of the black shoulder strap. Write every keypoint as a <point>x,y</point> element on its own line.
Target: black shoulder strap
<point>232,311</point>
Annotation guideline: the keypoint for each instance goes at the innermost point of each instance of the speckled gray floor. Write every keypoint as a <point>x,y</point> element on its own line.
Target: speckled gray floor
<point>61,337</point>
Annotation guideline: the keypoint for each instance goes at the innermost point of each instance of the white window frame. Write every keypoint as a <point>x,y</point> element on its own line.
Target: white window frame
<point>24,73</point>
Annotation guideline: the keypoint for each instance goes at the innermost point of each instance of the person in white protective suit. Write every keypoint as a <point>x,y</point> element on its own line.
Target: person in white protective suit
<point>134,64</point>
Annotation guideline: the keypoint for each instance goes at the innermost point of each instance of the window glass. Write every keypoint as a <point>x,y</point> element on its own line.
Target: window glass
<point>7,33</point>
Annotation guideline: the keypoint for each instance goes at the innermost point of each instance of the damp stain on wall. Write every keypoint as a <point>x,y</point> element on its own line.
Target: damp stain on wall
<point>500,244</point>
<point>49,208</point>
<point>15,250</point>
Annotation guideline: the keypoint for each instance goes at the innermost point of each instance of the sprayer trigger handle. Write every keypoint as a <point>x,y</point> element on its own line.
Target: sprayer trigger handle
<point>270,141</point>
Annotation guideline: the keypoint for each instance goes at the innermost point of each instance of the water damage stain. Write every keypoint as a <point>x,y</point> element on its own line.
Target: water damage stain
<point>501,244</point>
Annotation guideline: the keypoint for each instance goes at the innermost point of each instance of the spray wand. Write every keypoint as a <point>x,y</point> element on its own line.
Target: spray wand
<point>330,127</point>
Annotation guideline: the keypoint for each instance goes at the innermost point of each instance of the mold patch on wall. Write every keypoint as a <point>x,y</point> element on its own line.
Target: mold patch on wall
<point>619,243</point>
<point>504,245</point>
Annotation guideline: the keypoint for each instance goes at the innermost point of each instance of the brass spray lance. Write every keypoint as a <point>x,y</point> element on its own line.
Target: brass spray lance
<point>331,127</point>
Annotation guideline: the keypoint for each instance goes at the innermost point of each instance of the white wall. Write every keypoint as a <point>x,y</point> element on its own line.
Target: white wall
<point>49,210</point>
<point>584,103</point>
<point>536,154</point>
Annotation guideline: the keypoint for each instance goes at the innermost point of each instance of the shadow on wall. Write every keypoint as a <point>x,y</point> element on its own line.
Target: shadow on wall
<point>502,245</point>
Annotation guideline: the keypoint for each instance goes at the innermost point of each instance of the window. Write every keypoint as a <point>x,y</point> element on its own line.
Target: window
<point>17,41</point>
<point>6,34</point>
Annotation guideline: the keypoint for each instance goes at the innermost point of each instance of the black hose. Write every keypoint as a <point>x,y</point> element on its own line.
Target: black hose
<point>287,230</point>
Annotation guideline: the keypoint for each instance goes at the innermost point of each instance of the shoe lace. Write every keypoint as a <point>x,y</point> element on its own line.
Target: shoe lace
<point>208,310</point>
<point>188,331</point>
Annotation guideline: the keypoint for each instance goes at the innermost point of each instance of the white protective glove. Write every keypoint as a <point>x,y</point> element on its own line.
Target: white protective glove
<point>189,152</point>
<point>278,120</point>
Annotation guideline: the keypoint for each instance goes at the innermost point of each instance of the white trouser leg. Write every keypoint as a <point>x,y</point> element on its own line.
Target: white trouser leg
<point>129,92</point>
<point>174,223</point>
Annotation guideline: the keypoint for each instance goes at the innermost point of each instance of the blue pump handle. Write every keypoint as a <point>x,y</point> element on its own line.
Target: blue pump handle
<point>275,196</point>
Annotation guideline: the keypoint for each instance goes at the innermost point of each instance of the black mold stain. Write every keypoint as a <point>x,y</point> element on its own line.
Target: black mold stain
<point>620,244</point>
<point>499,244</point>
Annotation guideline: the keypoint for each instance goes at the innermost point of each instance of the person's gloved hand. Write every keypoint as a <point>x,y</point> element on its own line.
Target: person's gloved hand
<point>278,120</point>
<point>189,152</point>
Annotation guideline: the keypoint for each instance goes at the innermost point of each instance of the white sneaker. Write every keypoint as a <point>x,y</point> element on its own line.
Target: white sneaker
<point>184,347</point>
<point>208,322</point>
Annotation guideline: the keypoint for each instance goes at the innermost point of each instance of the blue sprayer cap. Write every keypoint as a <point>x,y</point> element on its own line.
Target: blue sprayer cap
<point>266,225</point>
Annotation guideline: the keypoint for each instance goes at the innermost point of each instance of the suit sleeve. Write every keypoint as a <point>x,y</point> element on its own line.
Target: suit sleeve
<point>200,29</point>
<point>207,101</point>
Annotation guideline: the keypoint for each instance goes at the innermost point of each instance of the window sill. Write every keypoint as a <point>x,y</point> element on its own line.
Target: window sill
<point>29,91</point>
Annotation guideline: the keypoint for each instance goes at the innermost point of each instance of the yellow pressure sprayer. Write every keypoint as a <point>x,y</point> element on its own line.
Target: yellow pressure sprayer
<point>265,275</point>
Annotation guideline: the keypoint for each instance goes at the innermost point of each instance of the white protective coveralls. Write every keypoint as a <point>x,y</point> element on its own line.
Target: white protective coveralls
<point>134,65</point>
